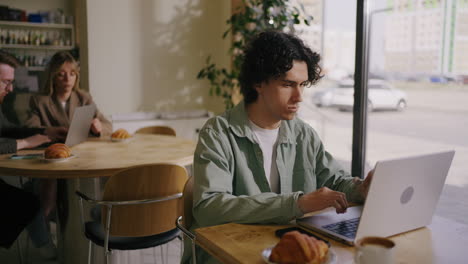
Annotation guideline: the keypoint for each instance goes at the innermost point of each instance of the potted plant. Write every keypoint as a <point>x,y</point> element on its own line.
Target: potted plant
<point>252,17</point>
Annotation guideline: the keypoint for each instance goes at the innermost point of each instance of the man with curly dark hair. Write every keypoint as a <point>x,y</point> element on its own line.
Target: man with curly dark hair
<point>270,56</point>
<point>258,162</point>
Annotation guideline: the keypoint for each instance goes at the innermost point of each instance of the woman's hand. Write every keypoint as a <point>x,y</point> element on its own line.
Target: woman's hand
<point>321,199</point>
<point>96,126</point>
<point>32,141</point>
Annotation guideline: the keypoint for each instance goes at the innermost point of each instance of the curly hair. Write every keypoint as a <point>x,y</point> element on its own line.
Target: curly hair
<point>270,55</point>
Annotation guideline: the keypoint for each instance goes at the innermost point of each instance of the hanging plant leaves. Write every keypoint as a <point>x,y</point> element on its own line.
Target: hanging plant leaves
<point>252,17</point>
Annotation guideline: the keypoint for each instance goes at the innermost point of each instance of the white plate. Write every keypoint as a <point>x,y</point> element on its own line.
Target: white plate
<point>58,160</point>
<point>120,139</point>
<point>331,259</point>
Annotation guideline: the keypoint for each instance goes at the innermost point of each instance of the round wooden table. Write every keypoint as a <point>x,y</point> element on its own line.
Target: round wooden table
<point>93,159</point>
<point>103,157</point>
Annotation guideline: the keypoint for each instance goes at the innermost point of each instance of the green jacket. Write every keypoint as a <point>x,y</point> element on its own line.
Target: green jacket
<point>230,183</point>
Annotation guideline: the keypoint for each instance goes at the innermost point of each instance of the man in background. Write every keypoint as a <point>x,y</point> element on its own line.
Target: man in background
<point>20,207</point>
<point>13,137</point>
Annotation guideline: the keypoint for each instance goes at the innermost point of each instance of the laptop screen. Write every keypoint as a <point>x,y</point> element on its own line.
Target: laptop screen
<point>402,196</point>
<point>80,124</point>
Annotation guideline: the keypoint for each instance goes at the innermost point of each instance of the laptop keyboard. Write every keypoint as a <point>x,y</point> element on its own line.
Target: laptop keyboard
<point>345,228</point>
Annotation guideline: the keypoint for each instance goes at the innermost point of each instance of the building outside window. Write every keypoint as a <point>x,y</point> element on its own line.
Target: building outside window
<point>418,47</point>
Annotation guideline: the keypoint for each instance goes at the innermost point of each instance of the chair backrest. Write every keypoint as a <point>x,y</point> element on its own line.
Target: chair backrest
<point>139,183</point>
<point>187,217</point>
<point>161,130</point>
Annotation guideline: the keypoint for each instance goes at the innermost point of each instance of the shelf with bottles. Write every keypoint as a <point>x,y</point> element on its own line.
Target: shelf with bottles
<point>33,60</point>
<point>43,47</point>
<point>26,35</point>
<point>31,24</point>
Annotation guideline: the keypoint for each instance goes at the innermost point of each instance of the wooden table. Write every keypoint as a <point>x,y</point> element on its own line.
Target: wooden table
<point>444,241</point>
<point>103,158</point>
<point>96,158</point>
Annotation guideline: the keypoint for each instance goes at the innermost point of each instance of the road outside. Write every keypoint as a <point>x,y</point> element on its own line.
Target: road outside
<point>436,119</point>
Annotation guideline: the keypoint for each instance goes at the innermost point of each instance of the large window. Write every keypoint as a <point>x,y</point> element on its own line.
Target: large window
<point>424,61</point>
<point>417,86</point>
<point>332,34</point>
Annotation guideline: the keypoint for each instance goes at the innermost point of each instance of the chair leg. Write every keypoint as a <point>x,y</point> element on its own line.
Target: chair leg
<point>108,255</point>
<point>107,260</point>
<point>194,253</point>
<point>90,248</point>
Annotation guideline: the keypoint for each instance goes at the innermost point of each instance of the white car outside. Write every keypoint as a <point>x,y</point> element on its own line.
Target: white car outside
<point>323,97</point>
<point>381,95</point>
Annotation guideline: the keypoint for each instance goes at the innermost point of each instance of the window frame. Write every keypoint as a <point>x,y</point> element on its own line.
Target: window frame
<point>359,141</point>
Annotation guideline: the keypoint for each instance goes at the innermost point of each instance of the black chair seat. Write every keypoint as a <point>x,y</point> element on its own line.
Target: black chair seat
<point>95,233</point>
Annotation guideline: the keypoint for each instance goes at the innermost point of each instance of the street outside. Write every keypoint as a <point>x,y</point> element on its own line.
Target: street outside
<point>436,119</point>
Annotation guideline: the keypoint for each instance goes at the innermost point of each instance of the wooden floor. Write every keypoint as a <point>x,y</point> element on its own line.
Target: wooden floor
<point>32,255</point>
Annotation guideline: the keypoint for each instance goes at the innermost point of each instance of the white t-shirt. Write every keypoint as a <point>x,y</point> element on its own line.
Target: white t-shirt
<point>267,138</point>
<point>64,105</point>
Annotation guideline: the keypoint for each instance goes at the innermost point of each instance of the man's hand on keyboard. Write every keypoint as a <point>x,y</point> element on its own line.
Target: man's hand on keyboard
<point>321,199</point>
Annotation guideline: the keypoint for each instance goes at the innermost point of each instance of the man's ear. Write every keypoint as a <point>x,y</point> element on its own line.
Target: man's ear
<point>258,87</point>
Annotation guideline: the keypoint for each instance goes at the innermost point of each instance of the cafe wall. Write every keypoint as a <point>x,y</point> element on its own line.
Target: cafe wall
<point>144,55</point>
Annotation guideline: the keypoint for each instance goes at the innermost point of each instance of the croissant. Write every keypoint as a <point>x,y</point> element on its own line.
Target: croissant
<point>120,134</point>
<point>57,151</point>
<point>295,248</point>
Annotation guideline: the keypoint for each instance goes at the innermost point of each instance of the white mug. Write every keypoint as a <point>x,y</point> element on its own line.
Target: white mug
<point>371,250</point>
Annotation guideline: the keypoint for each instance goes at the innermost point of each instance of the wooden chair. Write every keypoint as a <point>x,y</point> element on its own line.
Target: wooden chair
<point>184,222</point>
<point>139,206</point>
<point>161,130</point>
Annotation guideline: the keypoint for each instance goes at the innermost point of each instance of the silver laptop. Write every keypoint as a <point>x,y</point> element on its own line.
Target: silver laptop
<point>402,196</point>
<point>80,124</point>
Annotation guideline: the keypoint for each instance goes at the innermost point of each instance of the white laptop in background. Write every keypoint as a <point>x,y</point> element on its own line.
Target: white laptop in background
<point>402,196</point>
<point>80,124</point>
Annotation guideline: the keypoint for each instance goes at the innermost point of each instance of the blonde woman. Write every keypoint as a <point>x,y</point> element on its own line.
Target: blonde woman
<point>63,96</point>
<point>56,108</point>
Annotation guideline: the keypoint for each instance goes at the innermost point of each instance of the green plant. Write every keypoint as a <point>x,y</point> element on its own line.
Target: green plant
<point>251,18</point>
